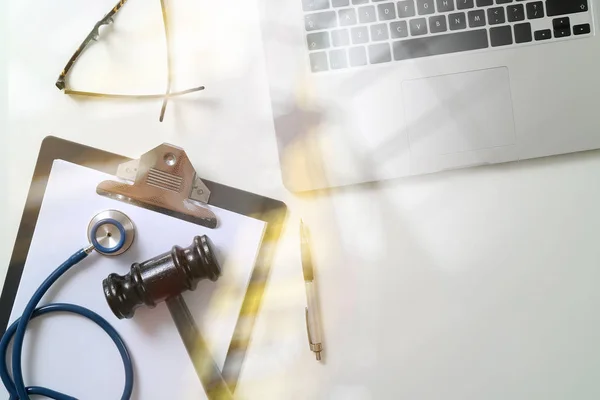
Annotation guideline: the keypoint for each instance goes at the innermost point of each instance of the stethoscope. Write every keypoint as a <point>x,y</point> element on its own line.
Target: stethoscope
<point>110,233</point>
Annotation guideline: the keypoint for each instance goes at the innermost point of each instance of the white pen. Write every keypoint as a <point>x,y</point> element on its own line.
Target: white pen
<point>313,319</point>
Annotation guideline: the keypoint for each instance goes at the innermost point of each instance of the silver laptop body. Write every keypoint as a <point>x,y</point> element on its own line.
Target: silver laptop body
<point>366,90</point>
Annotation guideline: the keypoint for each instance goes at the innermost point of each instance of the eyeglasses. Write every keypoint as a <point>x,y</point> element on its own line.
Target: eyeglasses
<point>94,35</point>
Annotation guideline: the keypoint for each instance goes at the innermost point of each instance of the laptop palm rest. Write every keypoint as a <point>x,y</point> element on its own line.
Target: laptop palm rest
<point>459,120</point>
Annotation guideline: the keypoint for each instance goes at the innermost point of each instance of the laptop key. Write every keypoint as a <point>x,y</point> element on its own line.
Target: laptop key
<point>501,36</point>
<point>340,37</point>
<point>425,7</point>
<point>484,3</point>
<point>562,7</point>
<point>322,20</point>
<point>399,29</point>
<point>418,26</point>
<point>457,21</point>
<point>543,34</point>
<point>445,5</point>
<point>386,11</point>
<point>380,53</point>
<point>581,29</point>
<point>360,35</point>
<point>437,24</point>
<point>318,41</point>
<point>379,32</point>
<point>347,17</point>
<point>406,9</point>
<point>315,5</point>
<point>340,3</point>
<point>464,4</point>
<point>496,15</point>
<point>440,44</point>
<point>515,13</point>
<point>366,14</point>
<point>318,61</point>
<point>338,59</point>
<point>357,56</point>
<point>535,10</point>
<point>476,18</point>
<point>522,32</point>
<point>503,1</point>
<point>561,27</point>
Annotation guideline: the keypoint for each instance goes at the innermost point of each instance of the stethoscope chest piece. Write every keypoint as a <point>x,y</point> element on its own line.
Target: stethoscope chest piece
<point>111,232</point>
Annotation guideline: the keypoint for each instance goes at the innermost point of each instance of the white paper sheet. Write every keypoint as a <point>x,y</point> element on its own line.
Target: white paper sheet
<point>72,355</point>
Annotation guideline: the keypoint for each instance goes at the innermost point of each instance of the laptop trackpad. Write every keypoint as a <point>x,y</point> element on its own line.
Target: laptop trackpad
<point>469,112</point>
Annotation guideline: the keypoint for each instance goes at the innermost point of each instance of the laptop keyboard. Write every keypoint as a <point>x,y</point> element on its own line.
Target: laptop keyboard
<point>344,34</point>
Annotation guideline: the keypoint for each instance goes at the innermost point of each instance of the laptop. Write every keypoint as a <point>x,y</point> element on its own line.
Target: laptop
<point>368,90</point>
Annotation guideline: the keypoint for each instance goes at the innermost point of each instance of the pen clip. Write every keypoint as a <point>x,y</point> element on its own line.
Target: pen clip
<point>310,343</point>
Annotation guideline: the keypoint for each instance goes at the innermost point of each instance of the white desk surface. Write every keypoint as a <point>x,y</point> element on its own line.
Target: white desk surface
<point>471,284</point>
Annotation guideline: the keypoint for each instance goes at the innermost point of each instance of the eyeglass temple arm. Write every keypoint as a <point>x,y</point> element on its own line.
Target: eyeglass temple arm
<point>133,96</point>
<point>92,36</point>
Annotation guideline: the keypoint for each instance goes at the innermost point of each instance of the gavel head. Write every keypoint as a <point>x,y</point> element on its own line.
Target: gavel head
<point>162,277</point>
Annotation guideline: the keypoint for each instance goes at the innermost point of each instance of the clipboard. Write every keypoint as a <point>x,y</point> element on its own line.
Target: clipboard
<point>217,383</point>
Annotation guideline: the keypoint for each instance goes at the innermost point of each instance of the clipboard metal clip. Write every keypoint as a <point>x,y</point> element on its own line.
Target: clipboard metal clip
<point>163,180</point>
